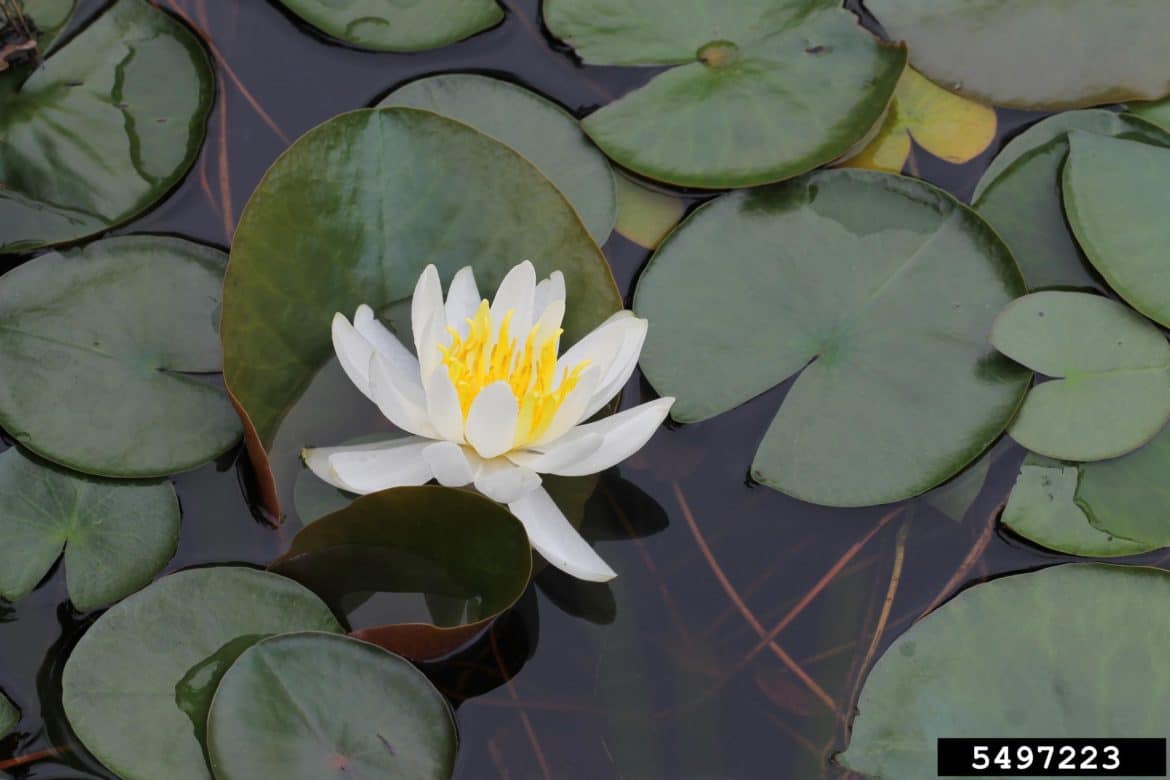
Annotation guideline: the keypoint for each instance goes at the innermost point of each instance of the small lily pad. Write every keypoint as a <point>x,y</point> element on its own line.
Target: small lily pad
<point>763,90</point>
<point>540,130</point>
<point>98,346</point>
<point>1115,199</point>
<point>1021,194</point>
<point>103,129</point>
<point>1058,653</point>
<point>313,706</point>
<point>644,215</point>
<point>138,686</point>
<point>878,290</point>
<point>9,716</point>
<point>1036,54</point>
<point>398,25</point>
<point>116,534</point>
<point>1111,368</point>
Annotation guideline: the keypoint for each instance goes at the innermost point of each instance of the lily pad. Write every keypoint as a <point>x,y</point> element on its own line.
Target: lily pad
<point>47,17</point>
<point>351,214</point>
<point>1020,194</point>
<point>116,535</point>
<point>1111,368</point>
<point>887,285</point>
<point>313,706</point>
<point>1062,652</point>
<point>954,499</point>
<point>1044,508</point>
<point>644,215</point>
<point>763,90</point>
<point>1036,54</point>
<point>97,346</point>
<point>537,128</point>
<point>1115,199</point>
<point>9,716</point>
<point>948,126</point>
<point>103,129</point>
<point>387,562</point>
<point>138,686</point>
<point>1157,112</point>
<point>398,25</point>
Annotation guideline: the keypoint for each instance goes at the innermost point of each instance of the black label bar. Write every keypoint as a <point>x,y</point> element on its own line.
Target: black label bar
<point>1051,757</point>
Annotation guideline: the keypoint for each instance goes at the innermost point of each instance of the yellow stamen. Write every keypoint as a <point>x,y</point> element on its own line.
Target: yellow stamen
<point>488,355</point>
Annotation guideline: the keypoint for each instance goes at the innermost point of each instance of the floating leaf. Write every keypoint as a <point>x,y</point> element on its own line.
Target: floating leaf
<point>1044,508</point>
<point>886,284</point>
<point>138,686</point>
<point>9,716</point>
<point>1111,369</point>
<point>351,214</point>
<point>313,705</point>
<point>763,90</point>
<point>1114,196</point>
<point>398,25</point>
<point>116,535</point>
<point>1158,112</point>
<point>948,126</point>
<point>47,17</point>
<point>537,128</point>
<point>955,498</point>
<point>387,560</point>
<point>1036,54</point>
<point>1020,194</point>
<point>1058,653</point>
<point>645,216</point>
<point>96,345</point>
<point>103,129</point>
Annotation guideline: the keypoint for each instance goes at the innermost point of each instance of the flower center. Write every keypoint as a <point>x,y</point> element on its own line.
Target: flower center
<point>489,355</point>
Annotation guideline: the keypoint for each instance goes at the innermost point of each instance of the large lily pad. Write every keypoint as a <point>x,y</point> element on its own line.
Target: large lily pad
<point>116,535</point>
<point>1049,54</point>
<point>103,129</point>
<point>9,716</point>
<point>1064,652</point>
<point>138,686</point>
<point>1020,194</point>
<point>1110,392</point>
<point>313,706</point>
<point>352,213</point>
<point>96,348</point>
<point>1116,200</point>
<point>387,562</point>
<point>887,285</point>
<point>764,90</point>
<point>398,25</point>
<point>537,128</point>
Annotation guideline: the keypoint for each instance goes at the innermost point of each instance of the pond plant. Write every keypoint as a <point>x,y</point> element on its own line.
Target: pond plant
<point>303,493</point>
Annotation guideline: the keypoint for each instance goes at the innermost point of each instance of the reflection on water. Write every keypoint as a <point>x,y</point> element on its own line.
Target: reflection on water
<point>733,642</point>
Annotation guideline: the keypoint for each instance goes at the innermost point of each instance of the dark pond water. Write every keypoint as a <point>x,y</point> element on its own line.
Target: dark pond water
<point>735,638</point>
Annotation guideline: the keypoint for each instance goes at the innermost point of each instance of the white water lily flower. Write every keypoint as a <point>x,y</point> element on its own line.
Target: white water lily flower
<point>490,403</point>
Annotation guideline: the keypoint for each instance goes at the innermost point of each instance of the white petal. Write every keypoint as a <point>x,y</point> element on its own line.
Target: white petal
<point>624,432</point>
<point>366,468</point>
<point>353,353</point>
<point>449,464</point>
<point>517,292</point>
<point>502,481</point>
<point>572,409</point>
<point>549,290</point>
<point>614,347</point>
<point>552,536</point>
<point>426,302</point>
<point>562,453</point>
<point>402,402</point>
<point>387,345</point>
<point>549,321</point>
<point>443,407</point>
<point>427,342</point>
<point>491,420</point>
<point>462,300</point>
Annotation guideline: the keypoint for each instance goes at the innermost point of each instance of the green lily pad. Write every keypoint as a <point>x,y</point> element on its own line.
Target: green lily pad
<point>9,716</point>
<point>103,129</point>
<point>763,90</point>
<point>47,17</point>
<point>1111,368</point>
<point>1115,199</point>
<point>1157,112</point>
<point>398,25</point>
<point>645,216</point>
<point>138,686</point>
<point>386,561</point>
<point>537,128</point>
<point>116,535</point>
<point>1020,194</point>
<point>1036,54</point>
<point>96,347</point>
<point>1044,508</point>
<point>1064,652</point>
<point>954,499</point>
<point>315,706</point>
<point>351,214</point>
<point>887,285</point>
